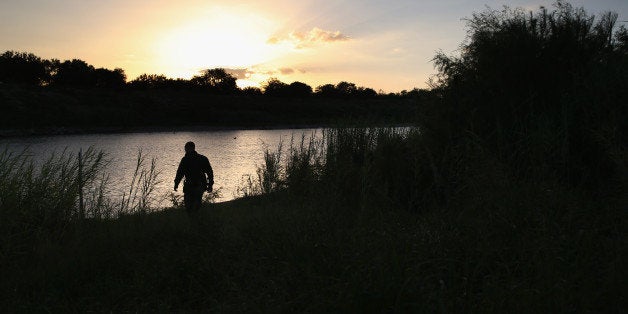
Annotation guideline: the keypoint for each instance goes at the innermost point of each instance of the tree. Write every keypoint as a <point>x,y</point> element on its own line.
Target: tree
<point>275,87</point>
<point>326,90</point>
<point>539,89</point>
<point>299,89</point>
<point>621,38</point>
<point>149,81</point>
<point>252,91</point>
<point>216,80</point>
<point>23,68</point>
<point>365,92</point>
<point>346,89</point>
<point>75,73</point>
<point>110,78</point>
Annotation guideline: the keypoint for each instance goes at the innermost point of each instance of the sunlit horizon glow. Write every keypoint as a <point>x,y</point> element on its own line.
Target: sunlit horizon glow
<point>385,45</point>
<point>218,39</point>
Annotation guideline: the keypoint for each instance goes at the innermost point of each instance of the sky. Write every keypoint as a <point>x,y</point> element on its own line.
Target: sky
<point>386,45</point>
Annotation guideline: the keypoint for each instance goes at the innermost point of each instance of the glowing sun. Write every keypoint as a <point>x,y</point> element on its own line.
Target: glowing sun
<point>217,39</point>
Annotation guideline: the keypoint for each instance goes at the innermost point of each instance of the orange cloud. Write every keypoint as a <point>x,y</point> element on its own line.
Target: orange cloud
<point>286,71</point>
<point>315,35</point>
<point>240,73</point>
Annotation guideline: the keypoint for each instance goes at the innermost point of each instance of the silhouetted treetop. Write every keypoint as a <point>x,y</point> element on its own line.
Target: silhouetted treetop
<point>23,68</point>
<point>326,90</point>
<point>274,87</point>
<point>28,69</point>
<point>344,90</point>
<point>110,78</point>
<point>216,80</point>
<point>74,72</point>
<point>149,81</point>
<point>252,91</point>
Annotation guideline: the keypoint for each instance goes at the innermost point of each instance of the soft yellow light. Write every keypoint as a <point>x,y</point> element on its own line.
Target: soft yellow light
<point>219,38</point>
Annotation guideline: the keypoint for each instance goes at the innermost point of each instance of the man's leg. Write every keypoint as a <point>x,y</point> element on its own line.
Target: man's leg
<point>198,201</point>
<point>193,201</point>
<point>188,200</point>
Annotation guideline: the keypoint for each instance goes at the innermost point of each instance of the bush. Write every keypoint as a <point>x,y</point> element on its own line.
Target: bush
<point>540,91</point>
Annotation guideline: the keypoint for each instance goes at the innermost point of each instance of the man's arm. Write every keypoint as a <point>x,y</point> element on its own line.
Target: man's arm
<point>210,174</point>
<point>179,176</point>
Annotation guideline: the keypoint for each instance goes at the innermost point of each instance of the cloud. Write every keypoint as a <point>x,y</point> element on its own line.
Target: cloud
<point>286,71</point>
<point>240,73</point>
<point>315,35</point>
<point>261,72</point>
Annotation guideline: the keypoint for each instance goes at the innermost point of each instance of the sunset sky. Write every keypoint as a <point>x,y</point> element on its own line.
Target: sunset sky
<point>385,44</point>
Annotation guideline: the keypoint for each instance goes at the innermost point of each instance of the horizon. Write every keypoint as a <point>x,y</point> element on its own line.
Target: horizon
<point>376,44</point>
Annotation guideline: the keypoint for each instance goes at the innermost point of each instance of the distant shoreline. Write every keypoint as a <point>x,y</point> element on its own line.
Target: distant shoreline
<point>54,131</point>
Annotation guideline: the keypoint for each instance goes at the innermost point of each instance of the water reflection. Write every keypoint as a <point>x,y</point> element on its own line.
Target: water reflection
<point>233,153</point>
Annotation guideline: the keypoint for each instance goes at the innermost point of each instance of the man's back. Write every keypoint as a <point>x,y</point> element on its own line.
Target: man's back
<point>193,167</point>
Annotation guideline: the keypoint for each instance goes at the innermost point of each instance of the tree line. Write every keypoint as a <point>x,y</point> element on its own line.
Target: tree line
<point>25,68</point>
<point>44,96</point>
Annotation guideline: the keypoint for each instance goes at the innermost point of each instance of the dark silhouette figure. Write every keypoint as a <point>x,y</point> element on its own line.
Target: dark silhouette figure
<point>194,167</point>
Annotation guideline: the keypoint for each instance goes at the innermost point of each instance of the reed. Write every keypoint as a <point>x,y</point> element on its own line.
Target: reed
<point>45,197</point>
<point>141,195</point>
<point>41,198</point>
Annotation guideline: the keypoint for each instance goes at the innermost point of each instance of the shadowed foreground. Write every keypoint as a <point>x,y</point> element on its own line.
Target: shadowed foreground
<point>274,253</point>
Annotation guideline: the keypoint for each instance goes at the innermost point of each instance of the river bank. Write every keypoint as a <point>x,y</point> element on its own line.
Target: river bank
<point>277,253</point>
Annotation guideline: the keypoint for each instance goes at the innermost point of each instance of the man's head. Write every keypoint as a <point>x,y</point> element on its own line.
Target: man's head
<point>189,147</point>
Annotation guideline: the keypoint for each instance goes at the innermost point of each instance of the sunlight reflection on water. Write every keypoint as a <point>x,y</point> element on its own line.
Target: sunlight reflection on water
<point>232,153</point>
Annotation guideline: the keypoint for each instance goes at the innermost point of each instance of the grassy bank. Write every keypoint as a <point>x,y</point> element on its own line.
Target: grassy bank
<point>268,255</point>
<point>323,234</point>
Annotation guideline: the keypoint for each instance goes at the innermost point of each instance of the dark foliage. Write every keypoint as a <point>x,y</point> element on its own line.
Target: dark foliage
<point>274,87</point>
<point>23,68</point>
<point>75,72</point>
<point>50,95</point>
<point>299,89</point>
<point>344,90</point>
<point>251,91</point>
<point>216,80</point>
<point>543,91</point>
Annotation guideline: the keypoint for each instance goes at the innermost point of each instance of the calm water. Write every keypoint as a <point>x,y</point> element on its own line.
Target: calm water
<point>232,154</point>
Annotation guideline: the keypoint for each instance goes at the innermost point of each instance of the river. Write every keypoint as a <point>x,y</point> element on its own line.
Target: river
<point>233,154</point>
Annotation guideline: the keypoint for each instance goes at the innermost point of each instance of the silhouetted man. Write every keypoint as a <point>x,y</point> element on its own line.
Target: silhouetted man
<point>194,167</point>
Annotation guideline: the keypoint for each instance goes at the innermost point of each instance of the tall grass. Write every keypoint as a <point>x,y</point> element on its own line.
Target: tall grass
<point>39,198</point>
<point>141,195</point>
<point>357,166</point>
<point>298,167</point>
<point>42,197</point>
<point>477,236</point>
